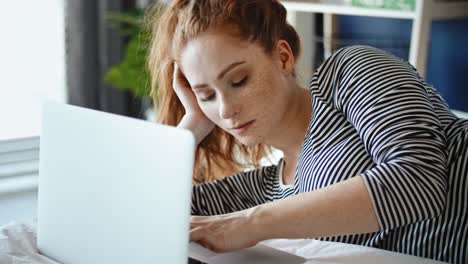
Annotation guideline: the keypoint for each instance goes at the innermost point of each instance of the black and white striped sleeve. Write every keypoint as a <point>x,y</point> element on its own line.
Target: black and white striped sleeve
<point>387,103</point>
<point>234,193</point>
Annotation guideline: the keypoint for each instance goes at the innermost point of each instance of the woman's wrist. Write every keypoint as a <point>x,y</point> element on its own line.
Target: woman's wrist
<point>196,126</point>
<point>261,224</point>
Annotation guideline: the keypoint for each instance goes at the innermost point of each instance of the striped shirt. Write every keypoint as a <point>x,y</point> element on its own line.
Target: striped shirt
<point>374,117</point>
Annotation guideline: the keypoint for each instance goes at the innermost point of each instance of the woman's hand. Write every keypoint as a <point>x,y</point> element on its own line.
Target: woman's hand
<point>225,233</point>
<point>194,119</point>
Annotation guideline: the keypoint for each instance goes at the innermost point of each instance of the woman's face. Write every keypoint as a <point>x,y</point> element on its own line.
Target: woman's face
<point>238,86</point>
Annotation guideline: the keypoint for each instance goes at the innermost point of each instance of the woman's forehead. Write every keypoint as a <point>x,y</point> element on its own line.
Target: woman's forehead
<point>214,49</point>
<point>216,41</point>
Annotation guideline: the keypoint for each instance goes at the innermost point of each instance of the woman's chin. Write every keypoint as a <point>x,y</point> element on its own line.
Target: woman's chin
<point>248,141</point>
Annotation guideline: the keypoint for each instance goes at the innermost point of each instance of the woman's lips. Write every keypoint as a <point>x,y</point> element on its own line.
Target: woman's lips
<point>244,127</point>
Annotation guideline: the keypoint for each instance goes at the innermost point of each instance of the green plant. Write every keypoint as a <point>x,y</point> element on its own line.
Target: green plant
<point>131,73</point>
<point>408,5</point>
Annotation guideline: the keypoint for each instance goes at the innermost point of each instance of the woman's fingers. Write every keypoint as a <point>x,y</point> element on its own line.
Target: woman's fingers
<point>199,224</point>
<point>176,80</point>
<point>184,91</point>
<point>200,235</point>
<point>178,84</point>
<point>221,233</point>
<point>200,219</point>
<point>197,233</point>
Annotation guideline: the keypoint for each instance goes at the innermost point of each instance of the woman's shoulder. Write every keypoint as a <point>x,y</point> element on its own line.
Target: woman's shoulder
<point>361,55</point>
<point>358,51</point>
<point>360,61</point>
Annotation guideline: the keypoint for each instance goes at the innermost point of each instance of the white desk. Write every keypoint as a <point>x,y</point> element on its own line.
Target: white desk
<point>18,241</point>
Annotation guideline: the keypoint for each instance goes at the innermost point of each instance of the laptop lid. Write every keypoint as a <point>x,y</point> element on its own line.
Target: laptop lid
<point>112,189</point>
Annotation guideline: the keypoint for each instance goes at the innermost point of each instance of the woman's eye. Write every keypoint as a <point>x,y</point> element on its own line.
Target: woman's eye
<point>240,83</point>
<point>208,98</point>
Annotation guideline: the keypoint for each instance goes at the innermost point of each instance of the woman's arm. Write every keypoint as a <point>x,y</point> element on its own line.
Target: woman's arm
<point>388,104</point>
<point>340,209</point>
<point>234,193</point>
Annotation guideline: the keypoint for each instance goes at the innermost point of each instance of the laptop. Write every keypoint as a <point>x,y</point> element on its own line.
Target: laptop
<point>113,189</point>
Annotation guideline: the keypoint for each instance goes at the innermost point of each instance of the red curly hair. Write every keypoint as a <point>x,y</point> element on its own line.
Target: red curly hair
<point>258,21</point>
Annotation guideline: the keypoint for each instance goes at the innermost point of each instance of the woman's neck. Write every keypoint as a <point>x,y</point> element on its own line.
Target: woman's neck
<point>294,125</point>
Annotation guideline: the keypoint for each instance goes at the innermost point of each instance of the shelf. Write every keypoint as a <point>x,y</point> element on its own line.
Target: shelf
<point>438,9</point>
<point>341,7</point>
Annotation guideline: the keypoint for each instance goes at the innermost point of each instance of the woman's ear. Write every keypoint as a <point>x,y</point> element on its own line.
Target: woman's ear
<point>285,57</point>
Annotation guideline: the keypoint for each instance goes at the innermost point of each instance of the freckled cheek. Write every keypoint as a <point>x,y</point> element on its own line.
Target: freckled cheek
<point>266,102</point>
<point>258,96</point>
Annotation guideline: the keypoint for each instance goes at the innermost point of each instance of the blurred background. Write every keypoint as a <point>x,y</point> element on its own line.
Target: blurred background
<point>92,54</point>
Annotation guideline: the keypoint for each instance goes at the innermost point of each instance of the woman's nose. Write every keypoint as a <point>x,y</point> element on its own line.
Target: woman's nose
<point>227,109</point>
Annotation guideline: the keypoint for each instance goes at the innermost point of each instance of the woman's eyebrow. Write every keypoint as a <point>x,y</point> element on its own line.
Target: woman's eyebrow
<point>222,73</point>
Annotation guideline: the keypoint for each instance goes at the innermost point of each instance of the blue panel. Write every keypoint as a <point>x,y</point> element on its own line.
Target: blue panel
<point>392,35</point>
<point>448,61</point>
<point>448,52</point>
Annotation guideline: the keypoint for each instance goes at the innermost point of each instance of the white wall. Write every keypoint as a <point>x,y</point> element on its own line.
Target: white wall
<point>304,24</point>
<point>32,62</point>
<point>32,68</point>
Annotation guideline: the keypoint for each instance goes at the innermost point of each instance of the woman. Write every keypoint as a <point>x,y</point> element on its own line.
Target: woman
<point>372,155</point>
